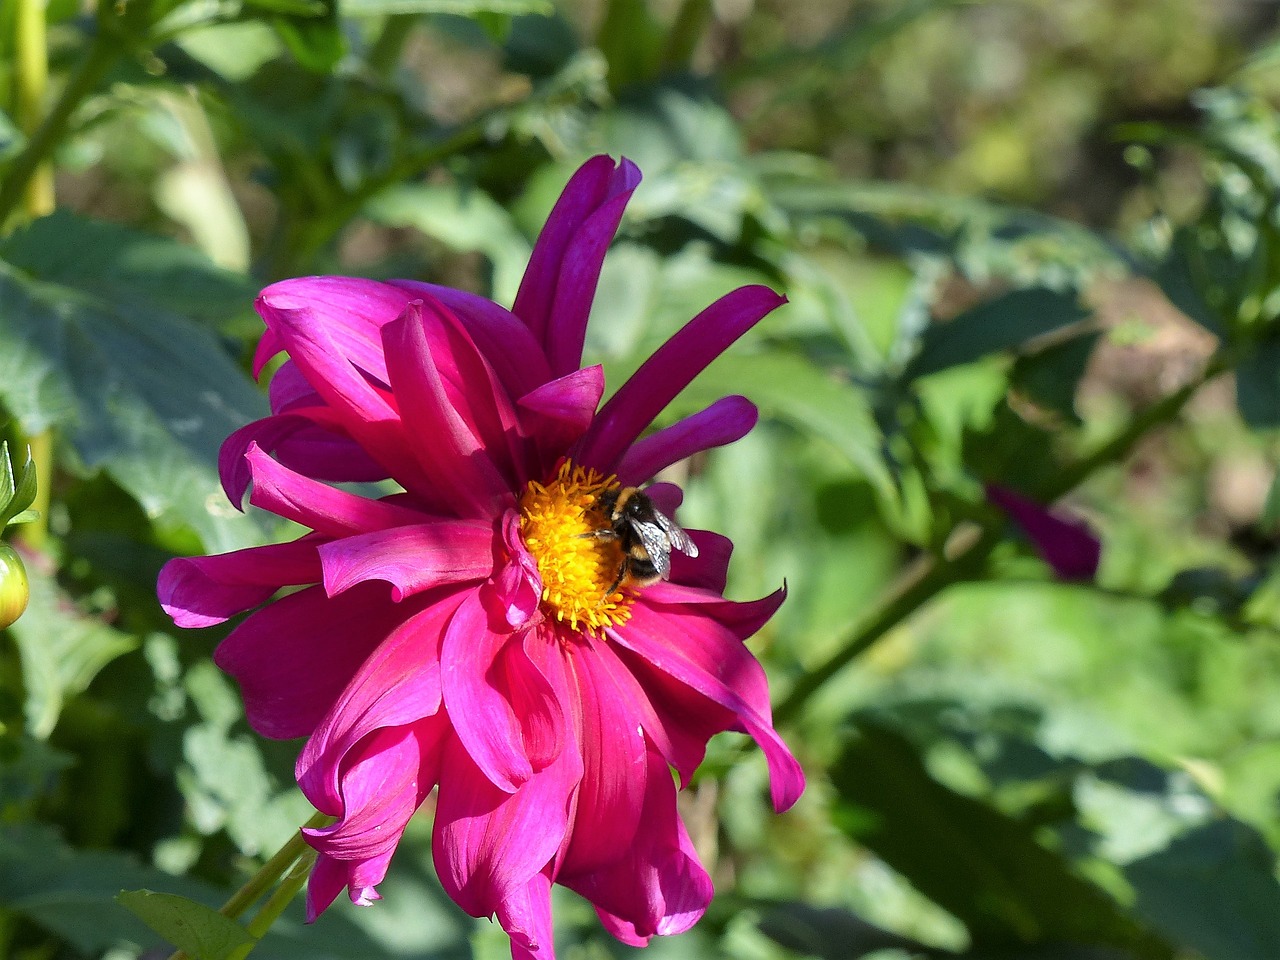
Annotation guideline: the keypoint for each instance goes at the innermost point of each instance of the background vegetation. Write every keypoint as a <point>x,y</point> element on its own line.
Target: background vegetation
<point>1033,243</point>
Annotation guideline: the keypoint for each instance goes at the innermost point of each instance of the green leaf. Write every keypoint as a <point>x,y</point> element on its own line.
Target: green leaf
<point>315,40</point>
<point>1050,376</point>
<point>200,931</point>
<point>72,892</point>
<point>463,219</point>
<point>984,867</point>
<point>113,263</point>
<point>61,650</point>
<point>1213,889</point>
<point>1258,385</point>
<point>631,40</point>
<point>829,932</point>
<point>1003,323</point>
<point>791,388</point>
<point>138,392</point>
<point>16,496</point>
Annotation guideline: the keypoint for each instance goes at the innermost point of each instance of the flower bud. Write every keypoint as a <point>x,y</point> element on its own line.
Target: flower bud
<point>14,590</point>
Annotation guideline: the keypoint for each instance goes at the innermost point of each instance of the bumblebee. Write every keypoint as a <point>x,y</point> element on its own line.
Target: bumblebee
<point>647,537</point>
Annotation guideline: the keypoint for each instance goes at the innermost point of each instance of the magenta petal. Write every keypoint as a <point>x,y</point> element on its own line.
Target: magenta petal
<point>489,844</point>
<point>293,657</point>
<point>569,234</point>
<point>398,684</point>
<point>502,704</point>
<point>324,509</point>
<point>327,879</point>
<point>526,917</point>
<point>1067,544</point>
<point>668,371</point>
<point>517,589</point>
<point>203,591</point>
<point>559,412</point>
<point>411,558</point>
<point>658,887</point>
<point>514,353</point>
<point>349,311</point>
<point>449,452</point>
<point>690,646</point>
<point>709,570</point>
<point>726,420</point>
<point>612,794</point>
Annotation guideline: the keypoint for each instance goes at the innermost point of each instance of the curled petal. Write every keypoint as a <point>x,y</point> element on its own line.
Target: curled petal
<point>324,509</point>
<point>709,570</point>
<point>559,283</point>
<point>668,371</point>
<point>658,886</point>
<point>293,657</point>
<point>488,844</point>
<point>502,705</point>
<point>448,451</point>
<point>612,794</point>
<point>725,421</point>
<point>503,338</point>
<point>517,590</point>
<point>397,685</point>
<point>526,917</point>
<point>411,558</point>
<point>689,645</point>
<point>559,412</point>
<point>203,591</point>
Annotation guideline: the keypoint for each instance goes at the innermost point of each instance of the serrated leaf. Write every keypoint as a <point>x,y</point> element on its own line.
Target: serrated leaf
<point>111,262</point>
<point>1213,889</point>
<point>984,867</point>
<point>1002,323</point>
<point>72,892</point>
<point>143,394</point>
<point>61,650</point>
<point>200,931</point>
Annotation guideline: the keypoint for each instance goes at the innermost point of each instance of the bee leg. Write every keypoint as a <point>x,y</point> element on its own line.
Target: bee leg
<point>604,533</point>
<point>623,570</point>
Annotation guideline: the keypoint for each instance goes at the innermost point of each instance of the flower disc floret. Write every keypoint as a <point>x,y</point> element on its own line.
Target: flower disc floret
<point>561,527</point>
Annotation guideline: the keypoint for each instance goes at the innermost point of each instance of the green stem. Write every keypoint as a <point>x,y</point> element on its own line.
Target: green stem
<point>933,576</point>
<point>277,902</point>
<point>281,861</point>
<point>104,50</point>
<point>31,77</point>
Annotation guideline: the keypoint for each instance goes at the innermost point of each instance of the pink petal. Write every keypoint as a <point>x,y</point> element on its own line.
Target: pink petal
<point>411,558</point>
<point>293,657</point>
<point>725,421</point>
<point>324,509</point>
<point>709,570</point>
<point>327,880</point>
<point>1067,544</point>
<point>448,451</point>
<point>569,251</point>
<point>517,590</point>
<point>560,411</point>
<point>364,410</point>
<point>489,844</point>
<point>514,353</point>
<point>688,644</point>
<point>203,591</point>
<point>668,371</point>
<point>658,887</point>
<point>398,684</point>
<point>502,704</point>
<point>612,794</point>
<point>350,311</point>
<point>526,917</point>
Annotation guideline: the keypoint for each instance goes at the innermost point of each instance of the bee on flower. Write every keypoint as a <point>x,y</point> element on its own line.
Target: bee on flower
<point>524,627</point>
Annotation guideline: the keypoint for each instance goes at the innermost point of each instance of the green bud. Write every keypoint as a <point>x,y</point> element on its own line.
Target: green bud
<point>14,590</point>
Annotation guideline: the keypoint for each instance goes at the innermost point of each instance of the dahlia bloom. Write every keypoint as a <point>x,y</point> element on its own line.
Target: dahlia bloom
<point>469,632</point>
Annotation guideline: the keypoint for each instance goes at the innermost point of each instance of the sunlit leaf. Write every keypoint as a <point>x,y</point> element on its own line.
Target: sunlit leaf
<point>200,931</point>
<point>461,8</point>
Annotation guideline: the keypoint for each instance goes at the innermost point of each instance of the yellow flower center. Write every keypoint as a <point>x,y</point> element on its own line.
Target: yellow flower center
<point>559,523</point>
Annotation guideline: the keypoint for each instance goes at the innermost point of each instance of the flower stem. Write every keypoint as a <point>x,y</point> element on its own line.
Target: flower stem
<point>295,854</point>
<point>23,178</point>
<point>966,563</point>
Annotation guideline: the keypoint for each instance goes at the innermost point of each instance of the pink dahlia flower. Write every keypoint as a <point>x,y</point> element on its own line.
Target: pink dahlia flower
<point>1066,543</point>
<point>471,633</point>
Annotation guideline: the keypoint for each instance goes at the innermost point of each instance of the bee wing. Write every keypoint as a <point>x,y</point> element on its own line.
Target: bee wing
<point>676,535</point>
<point>656,542</point>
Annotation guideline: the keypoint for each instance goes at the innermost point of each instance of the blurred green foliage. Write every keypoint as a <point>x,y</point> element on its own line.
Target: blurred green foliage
<point>1022,243</point>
